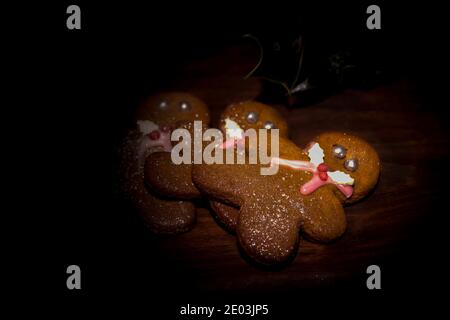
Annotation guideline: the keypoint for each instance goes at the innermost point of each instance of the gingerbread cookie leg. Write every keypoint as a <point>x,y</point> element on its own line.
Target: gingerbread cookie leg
<point>268,234</point>
<point>227,214</point>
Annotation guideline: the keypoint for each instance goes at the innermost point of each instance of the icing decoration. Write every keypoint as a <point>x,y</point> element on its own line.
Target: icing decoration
<point>233,130</point>
<point>315,154</point>
<point>146,126</point>
<point>323,176</point>
<point>341,177</point>
<point>234,134</point>
<point>185,106</point>
<point>320,171</point>
<point>269,125</point>
<point>339,151</point>
<point>153,136</point>
<point>163,104</point>
<point>252,117</point>
<point>351,164</point>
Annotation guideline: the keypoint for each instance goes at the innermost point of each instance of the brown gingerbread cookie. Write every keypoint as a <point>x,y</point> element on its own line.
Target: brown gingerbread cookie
<point>306,195</point>
<point>247,114</point>
<point>155,120</point>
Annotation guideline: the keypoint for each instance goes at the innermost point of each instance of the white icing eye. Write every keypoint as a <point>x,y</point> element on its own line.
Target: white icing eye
<point>232,129</point>
<point>351,164</point>
<point>339,151</point>
<point>163,104</point>
<point>315,154</point>
<point>252,117</point>
<point>269,125</point>
<point>185,106</point>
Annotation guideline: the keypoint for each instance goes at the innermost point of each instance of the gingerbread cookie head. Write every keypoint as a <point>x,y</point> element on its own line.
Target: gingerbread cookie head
<point>164,112</point>
<point>354,161</point>
<point>255,115</point>
<point>171,108</point>
<point>234,120</point>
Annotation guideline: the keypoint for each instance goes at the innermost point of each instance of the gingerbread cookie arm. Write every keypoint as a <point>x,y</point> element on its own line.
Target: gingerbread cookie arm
<point>161,215</point>
<point>167,178</point>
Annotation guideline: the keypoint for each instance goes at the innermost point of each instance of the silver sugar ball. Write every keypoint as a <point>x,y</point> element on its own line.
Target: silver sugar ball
<point>269,125</point>
<point>339,151</point>
<point>351,164</point>
<point>185,106</point>
<point>163,104</point>
<point>252,117</point>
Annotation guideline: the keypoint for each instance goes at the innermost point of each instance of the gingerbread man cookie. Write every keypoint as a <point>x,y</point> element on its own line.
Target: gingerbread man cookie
<point>243,116</point>
<point>155,120</point>
<point>305,196</point>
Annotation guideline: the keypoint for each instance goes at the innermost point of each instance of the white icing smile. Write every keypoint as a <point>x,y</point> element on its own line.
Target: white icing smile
<point>341,177</point>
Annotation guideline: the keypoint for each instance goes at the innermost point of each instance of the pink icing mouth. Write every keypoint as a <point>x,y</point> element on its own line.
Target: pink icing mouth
<point>227,144</point>
<point>316,181</point>
<point>230,143</point>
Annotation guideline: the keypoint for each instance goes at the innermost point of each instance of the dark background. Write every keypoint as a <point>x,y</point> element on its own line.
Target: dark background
<point>88,80</point>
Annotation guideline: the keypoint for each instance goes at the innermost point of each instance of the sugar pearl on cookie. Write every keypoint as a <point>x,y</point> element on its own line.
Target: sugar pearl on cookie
<point>185,106</point>
<point>269,125</point>
<point>351,164</point>
<point>252,117</point>
<point>339,151</point>
<point>323,176</point>
<point>163,104</point>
